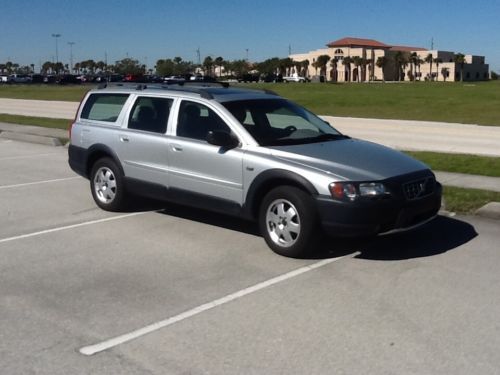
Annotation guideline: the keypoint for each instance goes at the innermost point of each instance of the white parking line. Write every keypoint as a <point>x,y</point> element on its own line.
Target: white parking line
<point>38,182</point>
<point>108,344</point>
<point>33,234</point>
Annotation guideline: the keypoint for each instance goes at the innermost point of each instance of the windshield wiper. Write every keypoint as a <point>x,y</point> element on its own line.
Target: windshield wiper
<point>329,137</point>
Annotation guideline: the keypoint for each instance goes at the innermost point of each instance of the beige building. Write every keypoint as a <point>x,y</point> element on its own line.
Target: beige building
<point>360,60</point>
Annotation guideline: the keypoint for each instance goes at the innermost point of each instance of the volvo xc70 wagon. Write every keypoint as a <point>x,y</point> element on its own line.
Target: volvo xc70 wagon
<point>247,153</point>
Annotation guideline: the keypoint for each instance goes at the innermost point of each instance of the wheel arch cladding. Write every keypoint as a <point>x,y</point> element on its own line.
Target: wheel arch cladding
<point>99,151</point>
<point>270,179</point>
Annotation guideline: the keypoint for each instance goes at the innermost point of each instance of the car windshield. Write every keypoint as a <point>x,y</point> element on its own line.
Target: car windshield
<point>273,122</point>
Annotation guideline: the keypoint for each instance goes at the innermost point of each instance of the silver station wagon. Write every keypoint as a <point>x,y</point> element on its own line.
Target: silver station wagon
<point>247,153</point>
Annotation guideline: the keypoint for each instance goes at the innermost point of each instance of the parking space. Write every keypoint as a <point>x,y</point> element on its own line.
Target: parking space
<point>72,275</point>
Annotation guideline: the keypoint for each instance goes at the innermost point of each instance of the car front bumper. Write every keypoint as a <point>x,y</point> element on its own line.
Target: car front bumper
<point>373,216</point>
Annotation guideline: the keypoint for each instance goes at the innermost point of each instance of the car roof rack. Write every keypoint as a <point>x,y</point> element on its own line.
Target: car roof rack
<point>197,87</point>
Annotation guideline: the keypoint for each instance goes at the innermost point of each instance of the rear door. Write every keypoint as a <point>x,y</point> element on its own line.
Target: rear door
<point>143,144</point>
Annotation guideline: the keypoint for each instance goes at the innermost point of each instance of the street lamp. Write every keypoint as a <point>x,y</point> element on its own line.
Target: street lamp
<point>71,55</point>
<point>56,36</point>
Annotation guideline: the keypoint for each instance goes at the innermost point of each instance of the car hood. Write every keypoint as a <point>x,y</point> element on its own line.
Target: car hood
<point>350,159</point>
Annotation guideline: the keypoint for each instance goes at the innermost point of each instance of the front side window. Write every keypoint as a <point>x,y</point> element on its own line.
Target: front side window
<point>150,114</point>
<point>103,107</point>
<point>280,122</point>
<point>196,120</point>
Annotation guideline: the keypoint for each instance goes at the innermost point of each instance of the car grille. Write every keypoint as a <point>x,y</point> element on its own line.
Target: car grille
<point>419,188</point>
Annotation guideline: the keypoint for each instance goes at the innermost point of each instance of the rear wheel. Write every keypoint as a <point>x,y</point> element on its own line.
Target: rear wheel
<point>288,221</point>
<point>106,184</point>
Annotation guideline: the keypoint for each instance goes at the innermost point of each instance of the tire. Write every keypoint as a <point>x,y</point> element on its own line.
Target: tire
<point>289,222</point>
<point>107,186</point>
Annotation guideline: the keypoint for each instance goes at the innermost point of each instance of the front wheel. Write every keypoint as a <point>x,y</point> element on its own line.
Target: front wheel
<point>106,184</point>
<point>288,222</point>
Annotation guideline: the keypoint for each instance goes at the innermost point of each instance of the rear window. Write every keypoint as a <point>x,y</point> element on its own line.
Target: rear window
<point>104,107</point>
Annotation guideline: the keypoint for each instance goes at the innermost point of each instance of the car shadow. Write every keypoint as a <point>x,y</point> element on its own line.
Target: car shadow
<point>438,236</point>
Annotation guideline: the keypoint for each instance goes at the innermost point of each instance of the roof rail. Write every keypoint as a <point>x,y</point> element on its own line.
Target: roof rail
<point>137,86</point>
<point>199,83</point>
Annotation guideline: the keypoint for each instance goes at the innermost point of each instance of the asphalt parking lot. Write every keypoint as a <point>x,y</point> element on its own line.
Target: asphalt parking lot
<point>197,293</point>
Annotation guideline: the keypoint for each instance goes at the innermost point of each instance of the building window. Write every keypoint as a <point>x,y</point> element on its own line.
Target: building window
<point>339,52</point>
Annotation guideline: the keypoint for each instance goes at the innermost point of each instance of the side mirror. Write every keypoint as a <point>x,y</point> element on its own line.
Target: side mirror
<point>222,138</point>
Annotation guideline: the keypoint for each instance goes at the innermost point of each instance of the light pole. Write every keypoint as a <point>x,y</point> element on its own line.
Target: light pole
<point>56,36</point>
<point>71,55</point>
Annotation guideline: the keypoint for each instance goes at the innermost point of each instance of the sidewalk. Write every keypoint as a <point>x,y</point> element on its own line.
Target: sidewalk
<point>34,134</point>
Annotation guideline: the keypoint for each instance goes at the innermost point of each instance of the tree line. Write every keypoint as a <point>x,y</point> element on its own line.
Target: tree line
<point>218,67</point>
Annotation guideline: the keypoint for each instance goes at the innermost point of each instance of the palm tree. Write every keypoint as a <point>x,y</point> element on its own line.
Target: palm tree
<point>399,61</point>
<point>381,63</point>
<point>333,65</point>
<point>413,65</point>
<point>219,62</point>
<point>358,61</point>
<point>347,61</point>
<point>208,63</point>
<point>321,62</point>
<point>445,72</point>
<point>460,60</point>
<point>429,59</point>
<point>437,61</point>
<point>305,68</point>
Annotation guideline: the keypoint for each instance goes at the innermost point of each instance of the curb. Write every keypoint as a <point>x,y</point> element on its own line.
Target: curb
<point>490,210</point>
<point>23,137</point>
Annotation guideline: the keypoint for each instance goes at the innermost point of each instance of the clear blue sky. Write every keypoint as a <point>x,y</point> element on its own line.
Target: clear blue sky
<point>148,30</point>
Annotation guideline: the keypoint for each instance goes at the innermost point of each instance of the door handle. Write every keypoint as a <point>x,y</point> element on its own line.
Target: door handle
<point>177,148</point>
<point>124,138</point>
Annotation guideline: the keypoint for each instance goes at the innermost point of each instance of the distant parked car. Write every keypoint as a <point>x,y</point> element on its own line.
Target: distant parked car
<point>295,78</point>
<point>174,79</point>
<point>66,79</point>
<point>248,78</point>
<point>50,78</point>
<point>36,78</point>
<point>19,78</point>
<point>133,78</point>
<point>4,78</point>
<point>272,78</point>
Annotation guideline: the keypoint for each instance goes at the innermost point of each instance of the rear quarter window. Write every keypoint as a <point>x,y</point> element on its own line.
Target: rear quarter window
<point>103,107</point>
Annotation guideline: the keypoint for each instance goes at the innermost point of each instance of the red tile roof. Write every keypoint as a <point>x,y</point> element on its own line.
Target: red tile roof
<point>357,42</point>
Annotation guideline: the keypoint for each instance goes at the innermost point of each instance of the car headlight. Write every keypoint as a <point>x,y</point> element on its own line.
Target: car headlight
<point>371,189</point>
<point>343,190</point>
<point>351,191</point>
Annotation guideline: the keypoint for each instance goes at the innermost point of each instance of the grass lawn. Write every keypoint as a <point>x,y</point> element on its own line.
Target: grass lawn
<point>459,163</point>
<point>472,103</point>
<point>55,123</point>
<point>67,93</point>
<point>467,201</point>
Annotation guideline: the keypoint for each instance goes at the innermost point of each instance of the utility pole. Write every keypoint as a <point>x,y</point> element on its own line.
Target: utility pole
<point>56,36</point>
<point>199,56</point>
<point>71,44</point>
<point>246,49</point>
<point>432,44</point>
<point>289,49</point>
